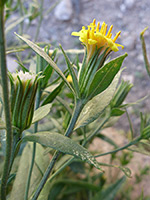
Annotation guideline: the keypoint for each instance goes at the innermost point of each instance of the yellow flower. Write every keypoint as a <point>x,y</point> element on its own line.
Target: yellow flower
<point>95,36</point>
<point>69,78</point>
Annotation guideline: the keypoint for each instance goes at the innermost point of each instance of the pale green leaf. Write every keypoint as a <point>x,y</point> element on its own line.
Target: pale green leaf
<point>95,106</point>
<point>41,112</point>
<point>16,22</point>
<point>41,163</point>
<point>63,144</point>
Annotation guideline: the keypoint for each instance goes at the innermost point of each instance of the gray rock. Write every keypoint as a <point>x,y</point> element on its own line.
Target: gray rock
<point>11,64</point>
<point>64,10</point>
<point>129,3</point>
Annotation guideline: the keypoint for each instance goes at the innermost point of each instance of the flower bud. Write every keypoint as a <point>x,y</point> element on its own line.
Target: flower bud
<point>23,92</point>
<point>121,93</point>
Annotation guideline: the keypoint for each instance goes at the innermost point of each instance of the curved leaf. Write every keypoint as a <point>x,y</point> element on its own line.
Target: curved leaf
<point>44,55</point>
<point>63,144</point>
<point>41,112</point>
<point>95,106</point>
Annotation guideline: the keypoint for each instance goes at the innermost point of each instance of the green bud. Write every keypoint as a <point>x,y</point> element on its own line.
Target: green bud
<point>146,133</point>
<point>121,93</point>
<point>23,92</point>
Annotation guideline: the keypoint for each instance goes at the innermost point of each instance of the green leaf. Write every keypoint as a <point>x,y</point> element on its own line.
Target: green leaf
<point>18,21</point>
<point>53,94</point>
<point>24,69</point>
<point>96,105</point>
<point>41,112</point>
<point>104,76</point>
<point>110,192</point>
<point>54,192</point>
<point>47,74</point>
<point>41,163</point>
<point>125,170</point>
<point>117,112</point>
<point>64,145</point>
<point>71,71</point>
<point>44,55</point>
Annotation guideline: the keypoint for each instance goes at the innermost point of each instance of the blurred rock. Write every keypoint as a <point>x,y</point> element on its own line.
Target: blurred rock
<point>122,8</point>
<point>64,10</point>
<point>11,64</point>
<point>129,3</point>
<point>128,77</point>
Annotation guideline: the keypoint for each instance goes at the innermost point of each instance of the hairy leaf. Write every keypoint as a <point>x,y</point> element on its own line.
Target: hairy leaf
<point>95,106</point>
<point>41,112</point>
<point>63,144</point>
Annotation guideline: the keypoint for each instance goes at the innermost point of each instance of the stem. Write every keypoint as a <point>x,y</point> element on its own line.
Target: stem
<point>9,136</point>
<point>34,149</point>
<point>98,129</point>
<point>78,108</point>
<point>121,148</point>
<point>30,172</point>
<point>40,21</point>
<point>21,15</point>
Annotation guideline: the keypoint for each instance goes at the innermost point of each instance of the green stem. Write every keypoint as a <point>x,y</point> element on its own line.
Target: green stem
<point>40,21</point>
<point>106,118</point>
<point>78,108</point>
<point>147,64</point>
<point>21,15</point>
<point>85,142</point>
<point>121,148</point>
<point>34,149</point>
<point>4,79</point>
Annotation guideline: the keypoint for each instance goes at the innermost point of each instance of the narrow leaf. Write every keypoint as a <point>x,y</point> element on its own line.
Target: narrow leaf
<point>63,144</point>
<point>41,112</point>
<point>44,55</point>
<point>53,94</point>
<point>110,192</point>
<point>18,21</point>
<point>71,71</point>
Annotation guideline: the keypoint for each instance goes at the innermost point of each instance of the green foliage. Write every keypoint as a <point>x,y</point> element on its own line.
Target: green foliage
<point>110,192</point>
<point>104,76</point>
<point>96,105</point>
<point>41,112</point>
<point>63,144</point>
<point>93,96</point>
<point>41,163</point>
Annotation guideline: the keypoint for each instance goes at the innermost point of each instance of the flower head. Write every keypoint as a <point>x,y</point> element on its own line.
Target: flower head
<point>96,36</point>
<point>23,92</point>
